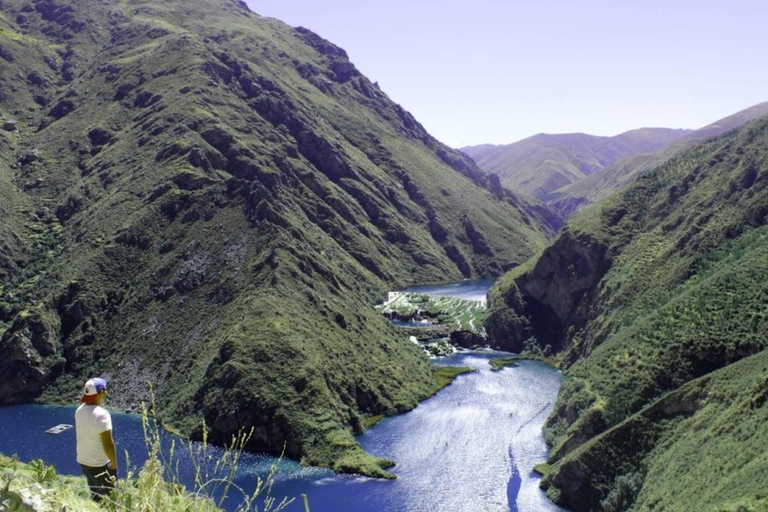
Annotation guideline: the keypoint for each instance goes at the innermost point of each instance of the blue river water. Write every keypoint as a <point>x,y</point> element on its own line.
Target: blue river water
<point>404,323</point>
<point>470,448</point>
<point>472,290</point>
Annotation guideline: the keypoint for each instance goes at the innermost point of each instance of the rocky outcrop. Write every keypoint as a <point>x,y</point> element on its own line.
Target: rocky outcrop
<point>29,354</point>
<point>24,500</point>
<point>341,69</point>
<point>61,109</point>
<point>6,55</point>
<point>544,303</point>
<point>479,245</point>
<point>428,333</point>
<point>226,412</point>
<point>468,339</point>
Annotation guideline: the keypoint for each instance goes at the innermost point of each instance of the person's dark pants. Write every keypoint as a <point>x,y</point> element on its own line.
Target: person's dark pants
<point>101,480</point>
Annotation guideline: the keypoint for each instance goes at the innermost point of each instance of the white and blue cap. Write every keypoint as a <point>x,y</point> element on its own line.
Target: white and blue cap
<point>94,387</point>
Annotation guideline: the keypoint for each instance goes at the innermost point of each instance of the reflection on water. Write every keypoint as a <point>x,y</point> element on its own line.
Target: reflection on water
<point>404,323</point>
<point>471,290</point>
<point>470,448</point>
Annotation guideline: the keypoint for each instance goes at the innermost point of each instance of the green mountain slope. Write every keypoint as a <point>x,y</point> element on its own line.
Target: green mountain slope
<point>570,198</point>
<point>642,294</point>
<point>701,447</point>
<point>212,201</point>
<point>544,163</point>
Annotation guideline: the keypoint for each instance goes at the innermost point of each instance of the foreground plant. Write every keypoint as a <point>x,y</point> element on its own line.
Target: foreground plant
<point>157,485</point>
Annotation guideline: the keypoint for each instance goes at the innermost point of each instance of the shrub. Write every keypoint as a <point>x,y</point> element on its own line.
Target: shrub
<point>623,493</point>
<point>42,473</point>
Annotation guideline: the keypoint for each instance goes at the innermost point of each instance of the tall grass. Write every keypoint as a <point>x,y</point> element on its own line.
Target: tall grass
<point>157,487</point>
<point>154,487</point>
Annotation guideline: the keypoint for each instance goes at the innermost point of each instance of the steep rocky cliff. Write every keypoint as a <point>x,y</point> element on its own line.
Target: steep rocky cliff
<point>641,294</point>
<point>208,200</point>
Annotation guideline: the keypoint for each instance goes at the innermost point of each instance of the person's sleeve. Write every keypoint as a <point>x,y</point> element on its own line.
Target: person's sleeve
<point>104,422</point>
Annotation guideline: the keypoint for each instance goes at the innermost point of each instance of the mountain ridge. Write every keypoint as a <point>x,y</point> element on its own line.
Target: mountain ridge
<point>567,200</point>
<point>211,201</point>
<point>542,163</point>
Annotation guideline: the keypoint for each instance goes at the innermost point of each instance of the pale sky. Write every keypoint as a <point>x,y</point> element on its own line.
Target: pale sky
<point>493,71</point>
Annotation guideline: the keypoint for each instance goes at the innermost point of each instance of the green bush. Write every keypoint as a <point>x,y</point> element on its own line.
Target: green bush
<point>42,473</point>
<point>623,493</point>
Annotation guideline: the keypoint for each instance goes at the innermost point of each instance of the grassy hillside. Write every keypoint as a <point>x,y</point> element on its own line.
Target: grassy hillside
<point>213,201</point>
<point>641,295</point>
<point>35,487</point>
<point>701,447</point>
<point>544,163</point>
<point>570,198</point>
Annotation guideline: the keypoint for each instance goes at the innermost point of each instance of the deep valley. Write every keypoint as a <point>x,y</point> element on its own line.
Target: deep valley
<point>218,206</point>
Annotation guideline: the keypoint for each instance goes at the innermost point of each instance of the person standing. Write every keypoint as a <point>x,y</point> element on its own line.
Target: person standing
<point>96,451</point>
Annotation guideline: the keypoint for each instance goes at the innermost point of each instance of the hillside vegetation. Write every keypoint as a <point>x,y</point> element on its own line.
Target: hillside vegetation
<point>655,301</point>
<point>35,487</point>
<point>541,164</point>
<point>211,201</point>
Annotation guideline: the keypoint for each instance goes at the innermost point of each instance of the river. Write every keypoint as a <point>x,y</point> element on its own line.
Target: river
<point>471,290</point>
<point>469,448</point>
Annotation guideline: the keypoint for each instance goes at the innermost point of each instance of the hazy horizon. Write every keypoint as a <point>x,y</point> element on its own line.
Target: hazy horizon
<point>504,71</point>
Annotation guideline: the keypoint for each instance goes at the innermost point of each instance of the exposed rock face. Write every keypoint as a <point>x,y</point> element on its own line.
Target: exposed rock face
<point>468,339</point>
<point>29,358</point>
<point>433,332</point>
<point>552,298</point>
<point>24,500</point>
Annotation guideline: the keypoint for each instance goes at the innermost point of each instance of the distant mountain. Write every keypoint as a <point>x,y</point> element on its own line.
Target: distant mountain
<point>198,197</point>
<point>569,199</point>
<point>653,300</point>
<point>544,163</point>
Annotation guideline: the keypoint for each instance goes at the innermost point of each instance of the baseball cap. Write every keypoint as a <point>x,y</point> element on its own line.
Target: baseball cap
<point>94,386</point>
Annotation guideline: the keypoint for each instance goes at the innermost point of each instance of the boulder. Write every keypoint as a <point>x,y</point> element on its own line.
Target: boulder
<point>34,78</point>
<point>100,136</point>
<point>31,157</point>
<point>61,109</point>
<point>123,91</point>
<point>467,339</point>
<point>24,500</point>
<point>146,99</point>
